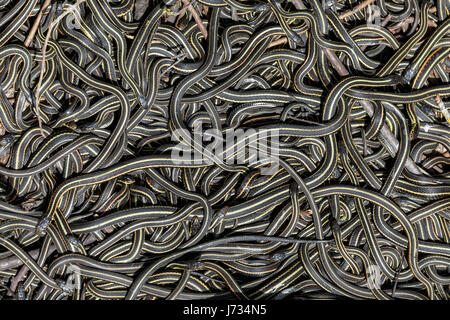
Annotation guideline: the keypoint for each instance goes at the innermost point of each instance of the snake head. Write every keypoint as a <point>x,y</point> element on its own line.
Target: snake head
<point>400,79</point>
<point>31,99</point>
<point>74,241</point>
<point>6,142</point>
<point>127,180</point>
<point>337,173</point>
<point>409,74</point>
<point>297,40</point>
<point>42,225</point>
<point>341,147</point>
<point>261,8</point>
<point>21,293</point>
<point>143,101</point>
<point>219,216</point>
<point>335,228</point>
<point>87,127</point>
<point>330,4</point>
<point>194,265</point>
<point>7,139</point>
<point>278,256</point>
<point>68,112</point>
<point>67,289</point>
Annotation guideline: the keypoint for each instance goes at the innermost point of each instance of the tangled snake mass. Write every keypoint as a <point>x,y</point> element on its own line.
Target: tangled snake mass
<point>224,149</point>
